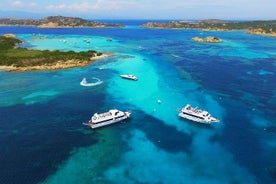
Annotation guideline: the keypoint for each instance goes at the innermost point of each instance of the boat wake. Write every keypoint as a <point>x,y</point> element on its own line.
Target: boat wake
<point>174,55</point>
<point>85,83</point>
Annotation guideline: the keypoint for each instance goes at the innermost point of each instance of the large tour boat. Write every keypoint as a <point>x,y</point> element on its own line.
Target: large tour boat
<point>131,77</point>
<point>107,118</point>
<point>197,115</point>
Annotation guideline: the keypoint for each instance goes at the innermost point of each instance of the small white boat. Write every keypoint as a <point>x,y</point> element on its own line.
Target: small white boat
<point>85,83</point>
<point>131,77</point>
<point>197,115</point>
<point>107,118</point>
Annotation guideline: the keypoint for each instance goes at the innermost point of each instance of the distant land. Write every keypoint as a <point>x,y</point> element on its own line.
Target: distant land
<point>21,14</point>
<point>56,22</point>
<point>266,27</point>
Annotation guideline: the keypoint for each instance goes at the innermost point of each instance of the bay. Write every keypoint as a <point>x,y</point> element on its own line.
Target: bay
<point>43,140</point>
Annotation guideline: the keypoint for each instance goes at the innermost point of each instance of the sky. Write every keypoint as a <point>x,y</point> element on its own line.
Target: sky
<point>145,9</point>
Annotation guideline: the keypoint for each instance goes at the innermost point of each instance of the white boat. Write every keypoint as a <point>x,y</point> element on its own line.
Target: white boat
<point>107,118</point>
<point>131,77</point>
<point>85,83</point>
<point>197,115</point>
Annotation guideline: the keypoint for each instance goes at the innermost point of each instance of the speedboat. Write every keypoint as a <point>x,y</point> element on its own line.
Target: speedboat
<point>197,115</point>
<point>107,118</point>
<point>131,77</point>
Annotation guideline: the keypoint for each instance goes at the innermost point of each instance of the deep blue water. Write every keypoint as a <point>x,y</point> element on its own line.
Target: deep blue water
<point>42,139</point>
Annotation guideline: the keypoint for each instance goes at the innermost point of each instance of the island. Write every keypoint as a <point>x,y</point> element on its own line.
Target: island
<point>209,39</point>
<point>252,27</point>
<point>57,22</point>
<point>21,59</point>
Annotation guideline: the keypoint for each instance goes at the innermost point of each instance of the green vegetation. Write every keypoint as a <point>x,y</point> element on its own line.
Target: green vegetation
<point>56,21</point>
<point>254,27</point>
<point>8,43</point>
<point>266,26</point>
<point>22,57</point>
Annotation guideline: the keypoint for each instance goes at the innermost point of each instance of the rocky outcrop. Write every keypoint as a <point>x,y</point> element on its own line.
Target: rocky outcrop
<point>48,25</point>
<point>260,31</point>
<point>210,39</point>
<point>9,35</point>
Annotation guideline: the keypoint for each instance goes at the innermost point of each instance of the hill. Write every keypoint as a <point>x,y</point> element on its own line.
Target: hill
<point>56,22</point>
<point>253,27</point>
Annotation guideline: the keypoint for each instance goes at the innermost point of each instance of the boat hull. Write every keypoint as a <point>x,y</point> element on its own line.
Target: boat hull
<point>104,119</point>
<point>195,119</point>
<point>129,77</point>
<point>98,125</point>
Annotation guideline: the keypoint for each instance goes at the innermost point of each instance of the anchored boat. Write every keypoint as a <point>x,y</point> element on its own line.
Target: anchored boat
<point>197,115</point>
<point>107,118</point>
<point>131,77</point>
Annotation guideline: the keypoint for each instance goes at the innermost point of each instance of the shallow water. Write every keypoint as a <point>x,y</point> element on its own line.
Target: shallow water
<point>41,113</point>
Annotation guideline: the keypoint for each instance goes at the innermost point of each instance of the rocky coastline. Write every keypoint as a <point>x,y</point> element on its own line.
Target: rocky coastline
<point>21,59</point>
<point>59,65</point>
<point>261,32</point>
<point>266,28</point>
<point>9,35</point>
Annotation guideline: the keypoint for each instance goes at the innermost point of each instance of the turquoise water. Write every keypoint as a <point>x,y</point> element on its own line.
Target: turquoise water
<point>43,139</point>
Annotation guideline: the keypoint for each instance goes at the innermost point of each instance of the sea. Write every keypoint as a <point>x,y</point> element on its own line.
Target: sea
<point>43,139</point>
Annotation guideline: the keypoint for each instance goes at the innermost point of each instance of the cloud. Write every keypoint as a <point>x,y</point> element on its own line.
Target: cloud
<point>150,8</point>
<point>160,8</point>
<point>85,6</point>
<point>24,5</point>
<point>17,3</point>
<point>32,4</point>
